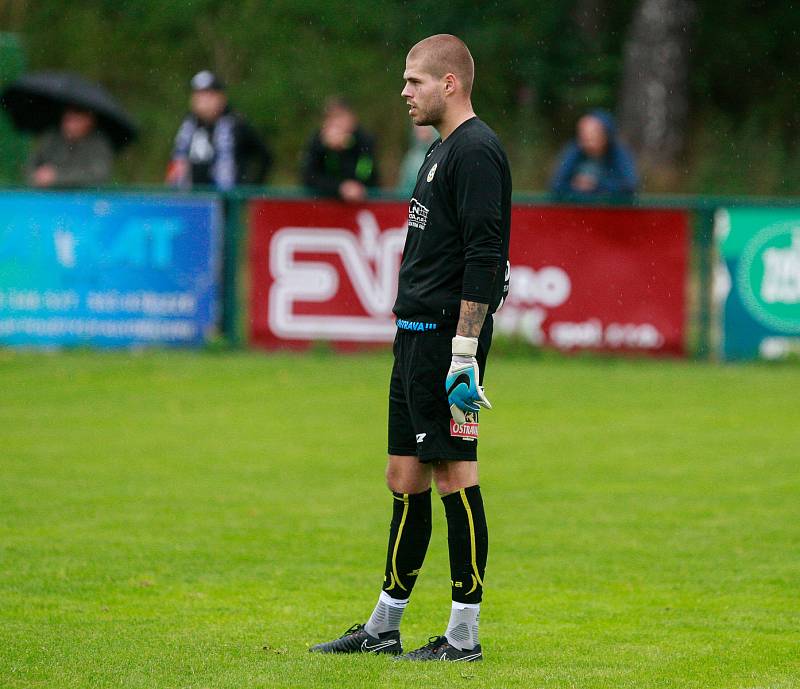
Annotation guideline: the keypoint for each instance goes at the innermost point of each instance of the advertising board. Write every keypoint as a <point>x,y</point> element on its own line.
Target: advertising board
<point>107,270</point>
<point>605,279</point>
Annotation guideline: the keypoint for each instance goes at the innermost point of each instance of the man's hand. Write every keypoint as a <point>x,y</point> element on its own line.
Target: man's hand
<point>584,182</point>
<point>45,176</point>
<point>463,391</point>
<point>177,171</point>
<point>352,191</point>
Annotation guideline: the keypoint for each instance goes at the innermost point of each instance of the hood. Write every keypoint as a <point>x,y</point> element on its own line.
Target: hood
<point>608,121</point>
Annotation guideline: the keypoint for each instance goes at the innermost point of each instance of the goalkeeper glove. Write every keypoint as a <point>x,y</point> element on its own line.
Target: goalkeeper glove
<point>463,391</point>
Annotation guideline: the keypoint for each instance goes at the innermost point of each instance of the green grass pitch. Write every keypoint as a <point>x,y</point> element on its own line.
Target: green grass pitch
<point>196,520</point>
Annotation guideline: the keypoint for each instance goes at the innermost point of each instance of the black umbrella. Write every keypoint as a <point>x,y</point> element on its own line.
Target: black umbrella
<point>36,102</point>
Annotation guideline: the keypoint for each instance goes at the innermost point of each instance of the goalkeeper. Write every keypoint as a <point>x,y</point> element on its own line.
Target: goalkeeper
<point>453,276</point>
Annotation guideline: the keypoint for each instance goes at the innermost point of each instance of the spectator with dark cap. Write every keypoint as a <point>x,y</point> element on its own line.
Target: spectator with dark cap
<point>215,145</point>
<point>340,158</point>
<point>595,163</point>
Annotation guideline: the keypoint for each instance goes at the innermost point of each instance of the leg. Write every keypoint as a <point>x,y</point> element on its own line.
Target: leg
<point>468,543</point>
<point>409,535</point>
<point>457,483</point>
<point>410,530</point>
<point>452,476</point>
<point>406,474</point>
<point>451,451</point>
<point>410,483</point>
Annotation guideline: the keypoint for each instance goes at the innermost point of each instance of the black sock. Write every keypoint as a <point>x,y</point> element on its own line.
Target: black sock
<point>468,541</point>
<point>409,535</point>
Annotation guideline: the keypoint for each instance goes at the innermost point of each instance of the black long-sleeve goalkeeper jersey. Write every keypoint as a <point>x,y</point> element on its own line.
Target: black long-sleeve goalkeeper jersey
<point>459,223</point>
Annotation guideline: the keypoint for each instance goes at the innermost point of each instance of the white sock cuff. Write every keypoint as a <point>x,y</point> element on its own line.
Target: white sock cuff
<point>465,606</point>
<point>393,602</point>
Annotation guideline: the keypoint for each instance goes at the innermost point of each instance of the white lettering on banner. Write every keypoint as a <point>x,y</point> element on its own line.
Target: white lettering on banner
<point>781,283</point>
<point>139,328</point>
<point>568,335</point>
<point>632,335</point>
<point>549,286</point>
<point>141,242</point>
<point>36,300</point>
<point>64,243</point>
<point>110,301</point>
<point>532,293</point>
<point>148,303</point>
<point>592,334</point>
<point>371,261</point>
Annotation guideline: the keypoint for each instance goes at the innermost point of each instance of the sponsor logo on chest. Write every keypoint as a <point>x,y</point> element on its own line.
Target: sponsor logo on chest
<point>417,215</point>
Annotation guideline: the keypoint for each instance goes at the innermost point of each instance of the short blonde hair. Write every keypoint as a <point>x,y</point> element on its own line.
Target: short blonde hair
<point>444,53</point>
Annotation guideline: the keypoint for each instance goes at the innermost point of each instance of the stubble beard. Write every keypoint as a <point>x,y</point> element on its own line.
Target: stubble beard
<point>432,115</point>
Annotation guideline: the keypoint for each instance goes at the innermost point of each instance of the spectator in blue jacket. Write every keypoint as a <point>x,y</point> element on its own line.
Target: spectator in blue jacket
<point>595,163</point>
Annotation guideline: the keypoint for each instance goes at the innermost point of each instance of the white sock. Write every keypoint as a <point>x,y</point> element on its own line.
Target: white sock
<point>386,616</point>
<point>462,630</point>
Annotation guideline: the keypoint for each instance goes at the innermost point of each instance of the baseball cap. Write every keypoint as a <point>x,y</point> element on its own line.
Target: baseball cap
<point>206,81</point>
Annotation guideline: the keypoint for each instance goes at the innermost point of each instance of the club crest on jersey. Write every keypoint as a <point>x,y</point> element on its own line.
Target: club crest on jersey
<point>432,172</point>
<point>467,430</point>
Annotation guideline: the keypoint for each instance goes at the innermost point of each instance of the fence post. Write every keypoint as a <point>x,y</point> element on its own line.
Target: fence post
<point>232,213</point>
<point>704,238</point>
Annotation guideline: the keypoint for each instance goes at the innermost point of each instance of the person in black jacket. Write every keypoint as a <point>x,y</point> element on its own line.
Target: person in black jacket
<point>215,146</point>
<point>340,159</point>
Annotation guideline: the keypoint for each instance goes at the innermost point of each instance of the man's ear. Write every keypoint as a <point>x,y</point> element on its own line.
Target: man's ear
<point>450,83</point>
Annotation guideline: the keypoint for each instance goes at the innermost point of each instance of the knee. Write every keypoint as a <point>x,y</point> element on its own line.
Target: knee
<point>447,484</point>
<point>394,478</point>
<point>403,477</point>
<point>450,477</point>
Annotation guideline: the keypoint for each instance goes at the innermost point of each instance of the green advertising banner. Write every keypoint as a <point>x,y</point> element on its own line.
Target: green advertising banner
<point>757,283</point>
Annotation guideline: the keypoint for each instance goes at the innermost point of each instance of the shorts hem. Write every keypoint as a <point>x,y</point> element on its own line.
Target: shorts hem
<point>402,451</point>
<point>429,457</point>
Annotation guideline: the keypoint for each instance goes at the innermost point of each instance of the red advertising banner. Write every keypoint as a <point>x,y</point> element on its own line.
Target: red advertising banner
<point>606,279</point>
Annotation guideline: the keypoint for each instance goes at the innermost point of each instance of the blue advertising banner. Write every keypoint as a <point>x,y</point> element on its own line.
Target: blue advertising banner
<point>107,270</point>
<point>758,282</point>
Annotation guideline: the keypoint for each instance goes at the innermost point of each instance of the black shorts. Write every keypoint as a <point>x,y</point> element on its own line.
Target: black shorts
<point>419,417</point>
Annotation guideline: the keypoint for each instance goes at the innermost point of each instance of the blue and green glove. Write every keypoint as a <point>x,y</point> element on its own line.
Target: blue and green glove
<point>462,384</point>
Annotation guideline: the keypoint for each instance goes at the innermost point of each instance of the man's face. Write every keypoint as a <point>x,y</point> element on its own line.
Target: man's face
<point>76,124</point>
<point>338,127</point>
<point>209,105</point>
<point>424,93</point>
<point>592,136</point>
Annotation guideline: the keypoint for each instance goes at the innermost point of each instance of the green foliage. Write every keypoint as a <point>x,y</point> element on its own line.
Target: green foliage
<point>13,147</point>
<point>743,156</point>
<point>537,70</point>
<point>195,520</point>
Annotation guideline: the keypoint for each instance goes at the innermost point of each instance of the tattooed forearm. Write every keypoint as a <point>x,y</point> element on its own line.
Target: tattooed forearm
<point>471,318</point>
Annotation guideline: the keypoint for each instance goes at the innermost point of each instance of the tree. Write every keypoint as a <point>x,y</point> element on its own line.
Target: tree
<point>654,103</point>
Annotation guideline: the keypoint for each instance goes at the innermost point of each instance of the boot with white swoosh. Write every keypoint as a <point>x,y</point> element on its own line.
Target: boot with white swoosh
<point>438,648</point>
<point>357,640</point>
